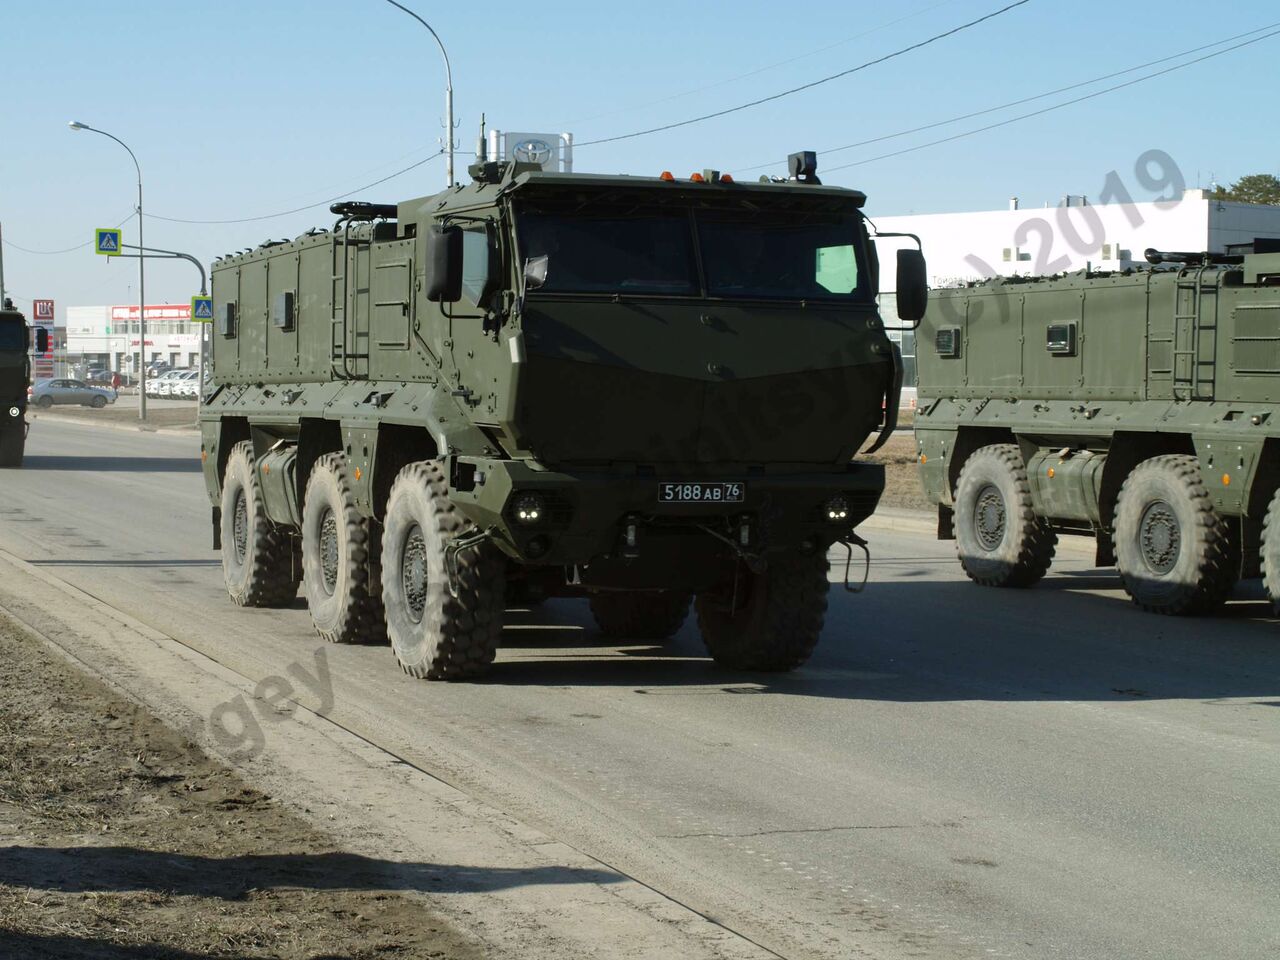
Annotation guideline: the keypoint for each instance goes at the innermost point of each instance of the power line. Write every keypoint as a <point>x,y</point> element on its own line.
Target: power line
<point>756,72</point>
<point>54,253</point>
<point>1016,103</point>
<point>309,206</point>
<point>1056,106</point>
<point>806,86</point>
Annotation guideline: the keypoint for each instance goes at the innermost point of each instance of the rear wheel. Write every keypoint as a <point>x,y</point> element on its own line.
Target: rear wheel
<point>258,562</point>
<point>640,615</point>
<point>12,443</point>
<point>444,605</point>
<point>999,539</point>
<point>775,619</point>
<point>1270,552</point>
<point>1174,552</point>
<point>340,573</point>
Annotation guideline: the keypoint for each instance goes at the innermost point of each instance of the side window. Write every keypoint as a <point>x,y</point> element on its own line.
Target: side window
<point>475,263</point>
<point>836,269</point>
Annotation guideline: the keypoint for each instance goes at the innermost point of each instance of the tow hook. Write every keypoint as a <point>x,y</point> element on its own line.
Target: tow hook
<point>849,543</point>
<point>455,547</point>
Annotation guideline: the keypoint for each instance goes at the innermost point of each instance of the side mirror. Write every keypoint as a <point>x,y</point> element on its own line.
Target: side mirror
<point>913,286</point>
<point>42,340</point>
<point>444,264</point>
<point>535,271</point>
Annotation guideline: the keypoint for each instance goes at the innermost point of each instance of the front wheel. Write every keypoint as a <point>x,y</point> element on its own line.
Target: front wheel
<point>98,403</point>
<point>444,605</point>
<point>44,402</point>
<point>12,443</point>
<point>999,539</point>
<point>1175,553</point>
<point>767,621</point>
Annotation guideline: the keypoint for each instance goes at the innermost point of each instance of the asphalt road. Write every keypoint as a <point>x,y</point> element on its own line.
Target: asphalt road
<point>958,772</point>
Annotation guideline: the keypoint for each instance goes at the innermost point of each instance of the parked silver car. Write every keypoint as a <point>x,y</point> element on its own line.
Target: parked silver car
<point>45,393</point>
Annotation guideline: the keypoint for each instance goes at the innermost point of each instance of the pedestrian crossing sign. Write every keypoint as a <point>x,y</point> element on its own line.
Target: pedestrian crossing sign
<point>107,242</point>
<point>202,309</point>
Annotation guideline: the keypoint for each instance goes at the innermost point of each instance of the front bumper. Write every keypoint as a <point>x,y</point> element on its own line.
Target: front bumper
<point>585,514</point>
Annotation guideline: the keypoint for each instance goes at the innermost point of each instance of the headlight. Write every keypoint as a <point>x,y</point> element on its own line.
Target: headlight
<point>837,509</point>
<point>14,411</point>
<point>528,508</point>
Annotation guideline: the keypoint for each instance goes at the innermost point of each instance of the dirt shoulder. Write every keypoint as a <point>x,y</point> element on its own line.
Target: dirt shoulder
<point>124,412</point>
<point>121,839</point>
<point>902,480</point>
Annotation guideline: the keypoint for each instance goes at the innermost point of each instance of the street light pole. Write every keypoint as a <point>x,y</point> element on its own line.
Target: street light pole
<point>142,288</point>
<point>448,93</point>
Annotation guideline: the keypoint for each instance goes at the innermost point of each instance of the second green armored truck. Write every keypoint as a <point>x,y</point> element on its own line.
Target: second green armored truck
<point>1142,407</point>
<point>641,391</point>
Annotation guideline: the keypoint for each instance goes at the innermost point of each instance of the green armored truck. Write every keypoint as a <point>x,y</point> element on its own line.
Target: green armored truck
<point>1141,407</point>
<point>15,377</point>
<point>634,390</point>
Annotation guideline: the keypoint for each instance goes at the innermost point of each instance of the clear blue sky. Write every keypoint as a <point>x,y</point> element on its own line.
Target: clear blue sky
<point>244,107</point>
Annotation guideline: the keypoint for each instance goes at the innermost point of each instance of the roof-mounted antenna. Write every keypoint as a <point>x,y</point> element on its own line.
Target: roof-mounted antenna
<point>481,155</point>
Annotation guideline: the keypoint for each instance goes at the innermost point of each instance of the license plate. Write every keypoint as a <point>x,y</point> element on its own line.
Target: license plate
<point>702,492</point>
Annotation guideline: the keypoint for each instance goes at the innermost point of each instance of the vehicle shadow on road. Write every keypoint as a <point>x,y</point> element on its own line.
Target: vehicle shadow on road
<point>112,464</point>
<point>942,640</point>
<point>16,944</point>
<point>130,869</point>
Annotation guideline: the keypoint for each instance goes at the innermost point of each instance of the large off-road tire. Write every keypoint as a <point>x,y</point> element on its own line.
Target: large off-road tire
<point>341,577</point>
<point>259,563</point>
<point>640,615</point>
<point>778,618</point>
<point>1175,554</point>
<point>12,443</point>
<point>438,633</point>
<point>999,539</point>
<point>1269,553</point>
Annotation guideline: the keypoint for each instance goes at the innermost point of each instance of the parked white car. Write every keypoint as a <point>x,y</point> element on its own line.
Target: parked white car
<point>186,386</point>
<point>167,384</point>
<point>159,386</point>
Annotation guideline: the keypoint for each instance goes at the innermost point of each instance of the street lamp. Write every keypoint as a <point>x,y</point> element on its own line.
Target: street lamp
<point>142,290</point>
<point>448,93</point>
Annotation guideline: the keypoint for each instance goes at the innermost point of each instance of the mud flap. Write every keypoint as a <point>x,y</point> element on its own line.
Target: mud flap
<point>892,399</point>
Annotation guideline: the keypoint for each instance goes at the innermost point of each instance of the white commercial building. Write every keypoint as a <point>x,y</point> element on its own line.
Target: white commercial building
<point>107,336</point>
<point>1071,235</point>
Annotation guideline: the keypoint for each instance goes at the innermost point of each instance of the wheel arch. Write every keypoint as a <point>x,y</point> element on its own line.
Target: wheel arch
<point>968,441</point>
<point>1127,450</point>
<point>398,445</point>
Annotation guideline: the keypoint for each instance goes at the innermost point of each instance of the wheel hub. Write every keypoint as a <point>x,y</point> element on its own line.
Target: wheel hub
<point>989,517</point>
<point>329,551</point>
<point>240,526</point>
<point>413,573</point>
<point>1159,537</point>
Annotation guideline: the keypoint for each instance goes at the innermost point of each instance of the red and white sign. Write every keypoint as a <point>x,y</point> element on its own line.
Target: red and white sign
<point>155,311</point>
<point>42,312</point>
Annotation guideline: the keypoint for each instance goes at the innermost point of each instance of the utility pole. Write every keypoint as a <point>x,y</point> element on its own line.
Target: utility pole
<point>142,288</point>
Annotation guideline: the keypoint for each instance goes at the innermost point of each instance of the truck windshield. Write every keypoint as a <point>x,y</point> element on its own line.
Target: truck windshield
<point>13,336</point>
<point>652,254</point>
<point>779,258</point>
<point>741,254</point>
